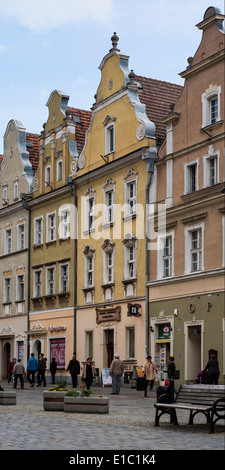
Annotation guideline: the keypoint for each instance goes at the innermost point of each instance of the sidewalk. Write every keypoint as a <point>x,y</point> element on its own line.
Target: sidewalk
<point>129,425</point>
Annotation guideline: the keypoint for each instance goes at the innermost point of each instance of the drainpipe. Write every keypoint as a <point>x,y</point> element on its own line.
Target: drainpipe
<point>72,191</point>
<point>24,198</point>
<point>149,158</point>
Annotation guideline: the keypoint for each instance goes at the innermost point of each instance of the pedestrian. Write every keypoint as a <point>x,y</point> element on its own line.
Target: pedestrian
<point>213,370</point>
<point>32,367</point>
<point>171,368</point>
<point>149,371</point>
<point>116,371</point>
<point>53,368</point>
<point>10,369</point>
<point>41,370</point>
<point>18,371</point>
<point>74,369</point>
<point>88,373</point>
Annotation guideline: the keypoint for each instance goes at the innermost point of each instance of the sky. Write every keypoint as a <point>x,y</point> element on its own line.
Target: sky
<point>59,44</point>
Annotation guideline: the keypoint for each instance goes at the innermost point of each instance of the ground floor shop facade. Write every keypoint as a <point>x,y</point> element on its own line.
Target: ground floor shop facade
<point>187,322</point>
<point>13,341</point>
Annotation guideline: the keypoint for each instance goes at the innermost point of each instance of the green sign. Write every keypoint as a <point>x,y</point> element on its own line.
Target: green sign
<point>164,331</point>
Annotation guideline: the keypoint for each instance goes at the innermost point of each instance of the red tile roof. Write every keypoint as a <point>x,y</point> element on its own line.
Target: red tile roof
<point>82,127</point>
<point>33,149</point>
<point>1,158</point>
<point>157,96</point>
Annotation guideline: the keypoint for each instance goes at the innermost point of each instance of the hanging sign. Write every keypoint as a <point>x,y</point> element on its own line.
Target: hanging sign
<point>164,331</point>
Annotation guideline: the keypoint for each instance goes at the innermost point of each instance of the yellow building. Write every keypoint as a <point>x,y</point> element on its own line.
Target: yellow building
<point>112,187</point>
<point>52,241</point>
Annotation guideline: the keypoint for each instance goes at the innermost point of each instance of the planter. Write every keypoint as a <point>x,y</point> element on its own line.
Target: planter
<point>53,401</point>
<point>7,398</point>
<point>96,405</point>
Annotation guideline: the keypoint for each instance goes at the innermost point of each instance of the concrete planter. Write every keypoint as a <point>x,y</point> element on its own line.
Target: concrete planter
<point>95,405</point>
<point>7,398</point>
<point>53,401</point>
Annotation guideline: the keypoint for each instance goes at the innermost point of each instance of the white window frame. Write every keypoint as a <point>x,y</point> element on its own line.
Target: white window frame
<point>89,269</point>
<point>189,251</point>
<point>108,265</point>
<point>48,175</point>
<point>161,256</point>
<point>50,282</point>
<point>64,222</point>
<point>187,176</point>
<point>128,330</point>
<point>18,285</point>
<point>89,214</point>
<point>108,207</point>
<point>213,92</point>
<point>16,189</point>
<point>38,234</point>
<point>64,282</point>
<point>212,155</point>
<point>130,258</point>
<point>7,290</point>
<point>8,241</point>
<point>59,170</point>
<point>21,236</point>
<point>37,290</point>
<point>4,194</point>
<point>110,138</point>
<point>50,229</point>
<point>131,178</point>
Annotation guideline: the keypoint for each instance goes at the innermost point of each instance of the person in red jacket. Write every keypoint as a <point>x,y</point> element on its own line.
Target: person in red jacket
<point>10,369</point>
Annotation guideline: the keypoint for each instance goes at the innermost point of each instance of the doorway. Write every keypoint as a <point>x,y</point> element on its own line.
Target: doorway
<point>109,343</point>
<point>6,360</point>
<point>37,349</point>
<point>193,351</point>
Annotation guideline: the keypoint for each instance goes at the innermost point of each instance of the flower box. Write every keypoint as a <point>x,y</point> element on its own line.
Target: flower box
<point>95,405</point>
<point>7,398</point>
<point>53,401</point>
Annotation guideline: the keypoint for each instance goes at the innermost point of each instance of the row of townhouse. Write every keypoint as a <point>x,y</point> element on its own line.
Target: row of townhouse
<point>116,241</point>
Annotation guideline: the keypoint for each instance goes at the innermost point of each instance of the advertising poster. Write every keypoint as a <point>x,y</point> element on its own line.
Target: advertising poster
<point>106,378</point>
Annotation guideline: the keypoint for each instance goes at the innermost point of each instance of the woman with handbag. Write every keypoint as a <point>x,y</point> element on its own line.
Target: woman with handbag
<point>88,373</point>
<point>149,371</point>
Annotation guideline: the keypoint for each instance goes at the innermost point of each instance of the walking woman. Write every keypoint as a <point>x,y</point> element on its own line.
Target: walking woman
<point>88,373</point>
<point>149,371</point>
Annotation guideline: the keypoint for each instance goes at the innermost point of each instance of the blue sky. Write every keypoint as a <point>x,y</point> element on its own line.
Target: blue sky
<point>55,44</point>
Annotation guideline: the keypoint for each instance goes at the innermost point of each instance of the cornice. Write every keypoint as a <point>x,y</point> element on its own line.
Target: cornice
<point>200,66</point>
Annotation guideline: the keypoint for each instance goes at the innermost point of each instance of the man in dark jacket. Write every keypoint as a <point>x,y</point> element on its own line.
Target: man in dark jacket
<point>213,370</point>
<point>41,370</point>
<point>74,369</point>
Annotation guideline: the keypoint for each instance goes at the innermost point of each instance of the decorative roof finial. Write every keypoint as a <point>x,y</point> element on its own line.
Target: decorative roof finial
<point>114,40</point>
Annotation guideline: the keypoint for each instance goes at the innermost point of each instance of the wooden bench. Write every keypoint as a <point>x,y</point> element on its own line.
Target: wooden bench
<point>198,398</point>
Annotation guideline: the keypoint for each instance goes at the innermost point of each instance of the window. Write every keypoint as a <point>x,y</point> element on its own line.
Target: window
<point>109,206</point>
<point>38,283</point>
<point>20,287</point>
<point>15,189</point>
<point>21,237</point>
<point>64,227</point>
<point>191,177</point>
<point>58,351</point>
<point>7,290</point>
<point>165,250</point>
<point>38,231</point>
<point>48,176</point>
<point>89,344</point>
<point>4,196</point>
<point>130,248</point>
<point>50,281</point>
<point>89,256</point>
<point>88,202</point>
<point>8,241</point>
<point>130,193</point>
<point>110,139</point>
<point>167,258</point>
<point>59,170</point>
<point>130,339</point>
<point>51,227</point>
<point>109,199</point>
<point>64,278</point>
<point>211,167</point>
<point>211,105</point>
<point>194,248</point>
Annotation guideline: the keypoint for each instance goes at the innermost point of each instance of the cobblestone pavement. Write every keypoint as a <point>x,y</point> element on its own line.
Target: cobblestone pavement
<point>128,426</point>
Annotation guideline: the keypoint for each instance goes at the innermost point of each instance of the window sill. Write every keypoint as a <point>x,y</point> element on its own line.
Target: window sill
<point>210,127</point>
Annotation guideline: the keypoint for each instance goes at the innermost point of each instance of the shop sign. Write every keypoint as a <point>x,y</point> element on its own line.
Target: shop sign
<point>164,331</point>
<point>108,314</point>
<point>56,328</point>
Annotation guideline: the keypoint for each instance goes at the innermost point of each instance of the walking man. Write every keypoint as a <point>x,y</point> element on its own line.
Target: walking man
<point>74,369</point>
<point>116,371</point>
<point>18,371</point>
<point>32,367</point>
<point>41,370</point>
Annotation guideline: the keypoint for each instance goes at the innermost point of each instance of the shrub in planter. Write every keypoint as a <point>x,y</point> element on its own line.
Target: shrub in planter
<point>53,398</point>
<point>83,402</point>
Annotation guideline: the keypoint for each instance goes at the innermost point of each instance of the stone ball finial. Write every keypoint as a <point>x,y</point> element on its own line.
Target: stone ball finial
<point>114,40</point>
<point>131,75</point>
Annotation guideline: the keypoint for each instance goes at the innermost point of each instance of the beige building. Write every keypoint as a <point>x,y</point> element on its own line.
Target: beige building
<point>19,162</point>
<point>186,284</point>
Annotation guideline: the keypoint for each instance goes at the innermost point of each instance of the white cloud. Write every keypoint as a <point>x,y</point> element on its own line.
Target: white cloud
<point>52,13</point>
<point>3,47</point>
